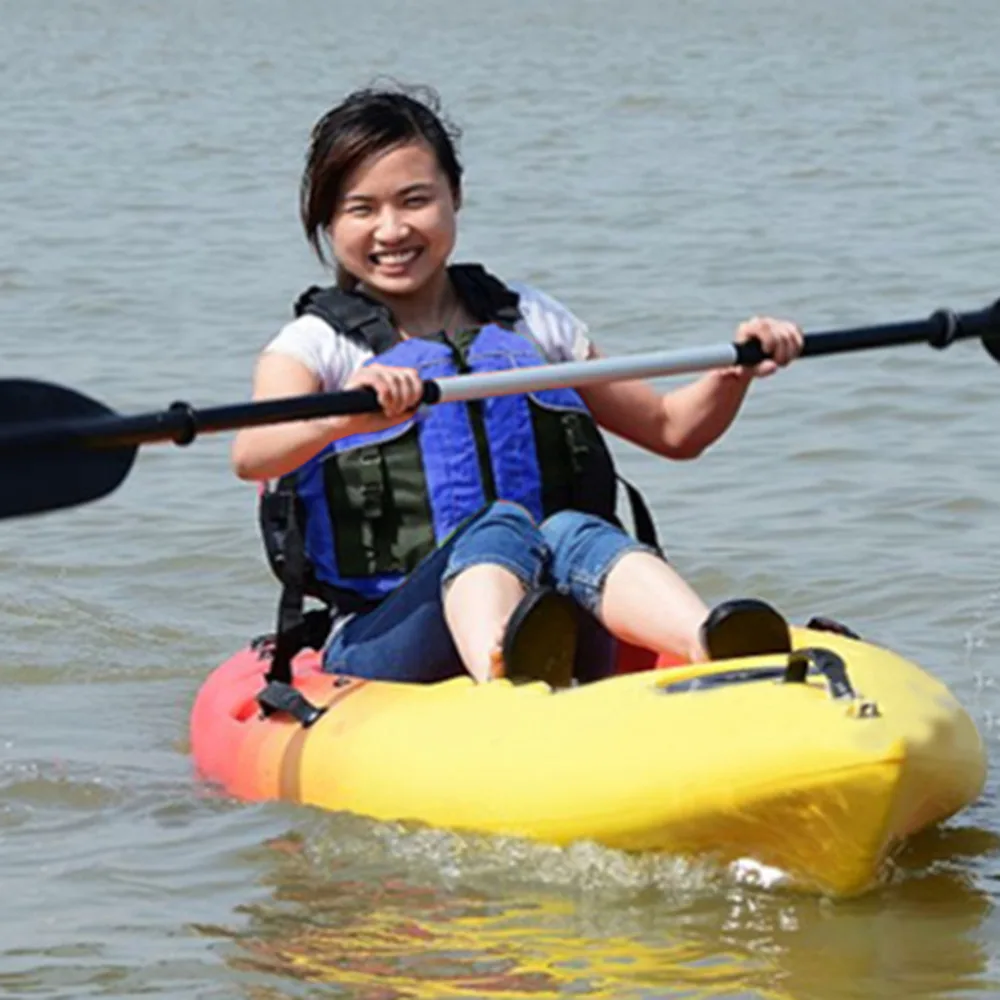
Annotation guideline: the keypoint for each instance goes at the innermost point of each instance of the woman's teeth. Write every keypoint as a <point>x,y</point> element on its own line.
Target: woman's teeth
<point>395,256</point>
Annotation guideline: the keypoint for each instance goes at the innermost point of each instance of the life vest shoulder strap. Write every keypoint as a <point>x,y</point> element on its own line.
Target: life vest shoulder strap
<point>352,314</point>
<point>361,318</point>
<point>486,297</point>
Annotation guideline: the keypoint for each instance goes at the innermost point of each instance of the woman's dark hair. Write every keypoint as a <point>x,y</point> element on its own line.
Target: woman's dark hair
<point>367,122</point>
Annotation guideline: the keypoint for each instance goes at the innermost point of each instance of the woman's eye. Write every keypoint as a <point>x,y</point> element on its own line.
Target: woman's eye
<point>358,210</point>
<point>416,201</point>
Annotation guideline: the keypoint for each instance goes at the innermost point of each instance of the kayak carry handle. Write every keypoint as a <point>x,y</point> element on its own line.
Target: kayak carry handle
<point>802,662</point>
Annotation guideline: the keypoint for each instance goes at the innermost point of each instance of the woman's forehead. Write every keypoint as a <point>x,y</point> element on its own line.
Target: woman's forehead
<point>398,166</point>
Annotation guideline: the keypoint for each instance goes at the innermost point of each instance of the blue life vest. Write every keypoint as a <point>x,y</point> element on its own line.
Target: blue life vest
<point>353,522</point>
<point>376,504</point>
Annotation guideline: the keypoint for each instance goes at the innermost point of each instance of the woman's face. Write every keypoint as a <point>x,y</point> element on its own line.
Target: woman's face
<point>394,228</point>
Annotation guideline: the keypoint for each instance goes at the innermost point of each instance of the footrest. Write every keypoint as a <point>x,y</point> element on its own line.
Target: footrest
<point>745,627</point>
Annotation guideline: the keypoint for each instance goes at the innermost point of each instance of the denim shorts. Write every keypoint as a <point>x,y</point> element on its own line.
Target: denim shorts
<point>406,638</point>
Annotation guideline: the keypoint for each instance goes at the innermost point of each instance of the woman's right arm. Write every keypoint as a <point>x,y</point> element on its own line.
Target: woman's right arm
<point>269,452</point>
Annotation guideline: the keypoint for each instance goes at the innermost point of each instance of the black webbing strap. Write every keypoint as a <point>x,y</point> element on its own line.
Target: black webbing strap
<point>642,519</point>
<point>487,298</point>
<point>353,314</point>
<point>291,605</point>
<point>279,694</point>
<point>296,628</point>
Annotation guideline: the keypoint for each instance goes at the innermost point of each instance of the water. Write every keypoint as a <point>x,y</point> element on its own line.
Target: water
<point>666,169</point>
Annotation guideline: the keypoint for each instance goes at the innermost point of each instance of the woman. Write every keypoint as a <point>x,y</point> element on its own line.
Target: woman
<point>423,520</point>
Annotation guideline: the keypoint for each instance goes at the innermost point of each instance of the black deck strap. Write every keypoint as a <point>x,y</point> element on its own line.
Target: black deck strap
<point>824,661</point>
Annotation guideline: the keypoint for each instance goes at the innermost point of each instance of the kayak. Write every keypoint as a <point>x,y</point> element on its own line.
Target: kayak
<point>820,763</point>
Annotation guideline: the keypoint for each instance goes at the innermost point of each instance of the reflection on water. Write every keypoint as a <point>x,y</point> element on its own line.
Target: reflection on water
<point>371,910</point>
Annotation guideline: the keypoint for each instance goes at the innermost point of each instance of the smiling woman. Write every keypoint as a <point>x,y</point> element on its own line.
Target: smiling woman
<point>480,537</point>
<point>395,231</point>
<point>384,183</point>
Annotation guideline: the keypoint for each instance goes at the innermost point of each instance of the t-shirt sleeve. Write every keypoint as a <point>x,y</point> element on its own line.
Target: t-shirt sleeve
<point>560,334</point>
<point>326,353</point>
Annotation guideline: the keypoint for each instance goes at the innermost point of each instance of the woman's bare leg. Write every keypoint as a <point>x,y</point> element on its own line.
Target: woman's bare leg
<point>647,603</point>
<point>478,604</point>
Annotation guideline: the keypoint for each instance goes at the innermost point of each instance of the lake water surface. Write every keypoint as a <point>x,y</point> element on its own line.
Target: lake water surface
<point>666,169</point>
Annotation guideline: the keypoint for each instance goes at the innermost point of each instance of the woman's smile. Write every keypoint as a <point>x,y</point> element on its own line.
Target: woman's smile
<point>395,262</point>
<point>394,228</point>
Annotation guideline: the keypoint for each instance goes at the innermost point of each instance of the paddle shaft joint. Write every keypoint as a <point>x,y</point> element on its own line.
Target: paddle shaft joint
<point>187,429</point>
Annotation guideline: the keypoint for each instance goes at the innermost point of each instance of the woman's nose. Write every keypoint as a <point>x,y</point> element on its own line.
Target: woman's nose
<point>391,227</point>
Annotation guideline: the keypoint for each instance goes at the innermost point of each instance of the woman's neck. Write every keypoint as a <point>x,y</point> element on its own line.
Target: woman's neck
<point>432,308</point>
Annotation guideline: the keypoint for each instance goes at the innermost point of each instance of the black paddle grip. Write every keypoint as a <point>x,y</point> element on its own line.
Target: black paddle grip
<point>940,329</point>
<point>750,352</point>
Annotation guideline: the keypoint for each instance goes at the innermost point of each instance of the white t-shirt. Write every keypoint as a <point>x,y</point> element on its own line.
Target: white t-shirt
<point>333,357</point>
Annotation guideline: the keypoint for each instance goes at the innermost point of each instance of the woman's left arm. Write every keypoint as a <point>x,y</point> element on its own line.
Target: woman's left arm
<point>683,423</point>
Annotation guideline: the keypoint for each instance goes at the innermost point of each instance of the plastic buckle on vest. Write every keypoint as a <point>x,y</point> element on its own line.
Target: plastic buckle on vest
<point>371,487</point>
<point>579,447</point>
<point>281,697</point>
<point>371,500</point>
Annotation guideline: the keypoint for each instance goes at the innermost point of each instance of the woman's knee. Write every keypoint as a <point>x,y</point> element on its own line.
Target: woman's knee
<point>584,548</point>
<point>503,534</point>
<point>509,514</point>
<point>504,523</point>
<point>569,528</point>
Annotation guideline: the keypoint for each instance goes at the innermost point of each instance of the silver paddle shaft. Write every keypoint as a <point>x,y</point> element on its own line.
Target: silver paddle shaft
<point>566,374</point>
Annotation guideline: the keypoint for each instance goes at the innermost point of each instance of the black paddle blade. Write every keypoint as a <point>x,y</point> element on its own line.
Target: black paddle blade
<point>35,478</point>
<point>992,345</point>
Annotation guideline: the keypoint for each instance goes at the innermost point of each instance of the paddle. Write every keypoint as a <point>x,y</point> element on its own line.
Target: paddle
<point>59,448</point>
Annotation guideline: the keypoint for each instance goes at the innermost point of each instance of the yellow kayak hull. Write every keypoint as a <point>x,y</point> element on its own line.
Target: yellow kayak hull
<point>755,767</point>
